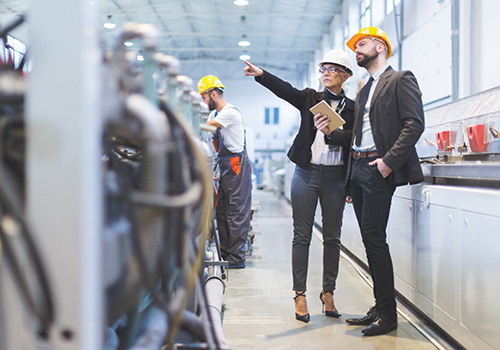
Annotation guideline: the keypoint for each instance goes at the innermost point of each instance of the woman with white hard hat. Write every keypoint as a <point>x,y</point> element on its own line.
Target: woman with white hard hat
<point>319,174</point>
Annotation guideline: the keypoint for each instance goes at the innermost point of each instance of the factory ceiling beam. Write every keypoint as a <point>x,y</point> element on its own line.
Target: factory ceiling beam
<point>228,49</point>
<point>175,15</point>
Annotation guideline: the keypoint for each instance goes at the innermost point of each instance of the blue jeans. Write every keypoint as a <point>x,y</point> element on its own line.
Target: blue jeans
<point>325,183</point>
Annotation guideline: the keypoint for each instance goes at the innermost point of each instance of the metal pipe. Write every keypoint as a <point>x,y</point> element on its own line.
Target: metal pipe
<point>196,112</point>
<point>455,48</point>
<point>472,49</point>
<point>206,318</point>
<point>401,34</point>
<point>211,270</point>
<point>172,68</point>
<point>191,323</point>
<point>153,173</point>
<point>399,30</point>
<point>154,333</point>
<point>154,137</point>
<point>185,108</point>
<point>214,288</point>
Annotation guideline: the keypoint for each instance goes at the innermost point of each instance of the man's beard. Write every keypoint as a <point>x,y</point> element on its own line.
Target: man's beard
<point>211,104</point>
<point>365,60</point>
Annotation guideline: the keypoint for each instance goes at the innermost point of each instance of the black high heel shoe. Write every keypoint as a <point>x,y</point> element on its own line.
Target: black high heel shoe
<point>328,313</point>
<point>304,318</point>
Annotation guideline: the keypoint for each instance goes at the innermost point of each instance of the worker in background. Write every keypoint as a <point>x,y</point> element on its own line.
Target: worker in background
<point>389,119</point>
<point>234,190</point>
<point>319,174</point>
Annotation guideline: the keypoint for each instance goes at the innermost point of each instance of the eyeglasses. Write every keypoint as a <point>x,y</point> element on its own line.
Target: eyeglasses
<point>330,70</point>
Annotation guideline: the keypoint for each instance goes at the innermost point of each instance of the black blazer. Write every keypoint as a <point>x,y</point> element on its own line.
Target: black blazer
<point>300,151</point>
<point>397,122</point>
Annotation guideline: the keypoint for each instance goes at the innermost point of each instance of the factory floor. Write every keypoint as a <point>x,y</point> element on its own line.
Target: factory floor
<point>259,310</point>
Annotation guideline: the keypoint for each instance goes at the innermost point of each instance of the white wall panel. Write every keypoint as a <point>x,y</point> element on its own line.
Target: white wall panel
<point>427,53</point>
<point>21,32</point>
<point>486,45</point>
<point>419,12</point>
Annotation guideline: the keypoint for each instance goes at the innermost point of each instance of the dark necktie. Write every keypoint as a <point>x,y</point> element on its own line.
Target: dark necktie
<point>362,102</point>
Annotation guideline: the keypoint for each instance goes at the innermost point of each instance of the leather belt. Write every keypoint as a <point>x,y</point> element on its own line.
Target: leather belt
<point>360,155</point>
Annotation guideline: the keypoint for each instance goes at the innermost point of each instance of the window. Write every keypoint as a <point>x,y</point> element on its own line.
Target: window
<point>13,49</point>
<point>365,13</point>
<point>276,116</point>
<point>389,5</point>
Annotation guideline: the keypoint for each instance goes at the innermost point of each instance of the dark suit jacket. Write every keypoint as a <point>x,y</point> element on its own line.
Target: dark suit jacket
<point>397,122</point>
<point>300,151</point>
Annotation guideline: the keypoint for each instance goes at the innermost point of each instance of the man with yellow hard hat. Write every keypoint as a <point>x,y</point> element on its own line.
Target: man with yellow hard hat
<point>234,190</point>
<point>388,121</point>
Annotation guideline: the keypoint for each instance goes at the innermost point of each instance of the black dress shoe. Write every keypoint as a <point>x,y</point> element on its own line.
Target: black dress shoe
<point>382,325</point>
<point>366,320</point>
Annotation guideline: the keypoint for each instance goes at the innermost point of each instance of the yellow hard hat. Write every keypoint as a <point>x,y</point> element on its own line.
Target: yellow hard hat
<point>372,32</point>
<point>209,82</point>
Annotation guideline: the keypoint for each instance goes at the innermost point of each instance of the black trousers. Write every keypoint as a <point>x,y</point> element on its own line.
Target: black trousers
<point>372,195</point>
<point>326,184</point>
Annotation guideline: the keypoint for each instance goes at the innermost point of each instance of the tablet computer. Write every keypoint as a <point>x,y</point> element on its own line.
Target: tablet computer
<point>325,109</point>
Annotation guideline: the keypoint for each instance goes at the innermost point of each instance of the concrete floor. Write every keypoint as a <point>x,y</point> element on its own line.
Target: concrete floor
<point>259,309</point>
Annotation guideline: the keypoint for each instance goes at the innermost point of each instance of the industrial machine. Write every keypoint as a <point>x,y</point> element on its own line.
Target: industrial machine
<point>107,240</point>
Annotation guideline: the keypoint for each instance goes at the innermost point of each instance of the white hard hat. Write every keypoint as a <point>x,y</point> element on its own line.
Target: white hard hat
<point>338,57</point>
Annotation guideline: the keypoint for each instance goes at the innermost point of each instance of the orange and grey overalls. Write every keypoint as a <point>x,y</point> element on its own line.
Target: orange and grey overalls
<point>233,202</point>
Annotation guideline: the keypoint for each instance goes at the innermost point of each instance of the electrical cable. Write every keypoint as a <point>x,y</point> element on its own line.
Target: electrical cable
<point>124,293</point>
<point>187,181</point>
<point>134,157</point>
<point>141,263</point>
<point>18,245</point>
<point>36,294</point>
<point>189,197</point>
<point>190,268</point>
<point>185,206</point>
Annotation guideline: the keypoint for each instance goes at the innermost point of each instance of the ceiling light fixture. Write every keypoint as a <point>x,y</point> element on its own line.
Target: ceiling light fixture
<point>128,43</point>
<point>245,57</point>
<point>109,24</point>
<point>241,2</point>
<point>244,43</point>
<point>140,58</point>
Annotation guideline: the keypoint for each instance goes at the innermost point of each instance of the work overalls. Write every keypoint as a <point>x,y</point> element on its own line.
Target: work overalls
<point>233,201</point>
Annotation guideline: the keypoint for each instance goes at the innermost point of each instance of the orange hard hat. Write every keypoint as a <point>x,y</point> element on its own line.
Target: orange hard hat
<point>372,32</point>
